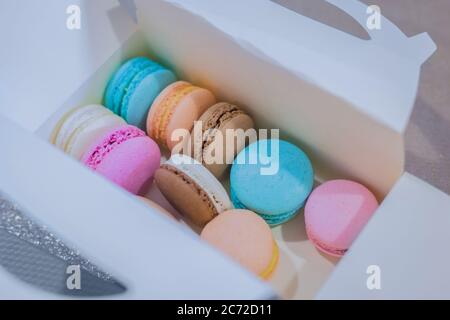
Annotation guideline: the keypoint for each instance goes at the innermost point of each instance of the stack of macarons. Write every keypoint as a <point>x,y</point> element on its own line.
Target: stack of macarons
<point>147,110</point>
<point>105,143</point>
<point>111,139</point>
<point>79,128</point>
<point>133,87</point>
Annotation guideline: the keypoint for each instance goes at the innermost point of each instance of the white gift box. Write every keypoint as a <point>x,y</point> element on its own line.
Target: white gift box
<point>346,101</point>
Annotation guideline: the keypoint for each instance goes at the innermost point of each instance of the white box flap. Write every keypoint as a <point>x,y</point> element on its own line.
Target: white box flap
<point>407,242</point>
<point>154,257</point>
<point>349,67</point>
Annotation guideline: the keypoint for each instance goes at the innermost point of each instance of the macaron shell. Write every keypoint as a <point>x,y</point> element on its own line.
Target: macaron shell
<point>116,87</point>
<point>135,109</point>
<point>336,212</point>
<point>244,236</point>
<point>166,115</point>
<point>270,269</point>
<point>159,106</point>
<point>278,196</point>
<point>131,164</point>
<point>186,112</point>
<point>272,219</point>
<point>72,120</point>
<point>129,85</point>
<point>182,180</point>
<point>81,141</point>
<point>239,121</point>
<point>331,251</point>
<point>185,196</point>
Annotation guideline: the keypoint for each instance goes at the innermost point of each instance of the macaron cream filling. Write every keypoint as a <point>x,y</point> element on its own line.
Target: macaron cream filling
<point>164,101</point>
<point>271,219</point>
<point>135,81</point>
<point>197,175</point>
<point>87,122</point>
<point>273,263</point>
<point>216,121</point>
<point>324,247</point>
<point>116,89</point>
<point>98,120</point>
<point>167,108</point>
<point>73,120</point>
<point>116,138</point>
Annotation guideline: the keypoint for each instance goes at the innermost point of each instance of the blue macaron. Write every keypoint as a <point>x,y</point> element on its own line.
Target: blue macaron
<point>272,178</point>
<point>133,87</point>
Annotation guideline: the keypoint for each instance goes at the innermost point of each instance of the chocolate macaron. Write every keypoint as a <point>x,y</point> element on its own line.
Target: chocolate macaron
<point>219,135</point>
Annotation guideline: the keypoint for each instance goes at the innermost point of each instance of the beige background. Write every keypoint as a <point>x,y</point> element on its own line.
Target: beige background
<point>428,133</point>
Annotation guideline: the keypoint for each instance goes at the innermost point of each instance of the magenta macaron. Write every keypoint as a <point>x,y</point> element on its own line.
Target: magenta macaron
<point>126,156</point>
<point>335,214</point>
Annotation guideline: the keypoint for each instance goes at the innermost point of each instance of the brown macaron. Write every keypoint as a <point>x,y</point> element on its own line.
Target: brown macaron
<point>192,189</point>
<point>218,136</point>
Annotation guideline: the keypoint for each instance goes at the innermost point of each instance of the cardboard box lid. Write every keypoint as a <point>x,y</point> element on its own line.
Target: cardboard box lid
<point>153,256</point>
<point>407,242</point>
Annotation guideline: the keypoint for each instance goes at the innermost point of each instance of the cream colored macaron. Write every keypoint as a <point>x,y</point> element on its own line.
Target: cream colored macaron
<point>80,127</point>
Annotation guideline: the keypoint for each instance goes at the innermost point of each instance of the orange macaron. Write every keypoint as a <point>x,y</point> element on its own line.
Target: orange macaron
<point>245,237</point>
<point>177,107</point>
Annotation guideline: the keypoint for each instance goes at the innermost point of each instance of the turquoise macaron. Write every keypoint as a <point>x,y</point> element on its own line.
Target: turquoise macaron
<point>272,178</point>
<point>133,87</point>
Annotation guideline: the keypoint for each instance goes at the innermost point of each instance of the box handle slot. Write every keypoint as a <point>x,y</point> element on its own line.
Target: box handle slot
<point>420,47</point>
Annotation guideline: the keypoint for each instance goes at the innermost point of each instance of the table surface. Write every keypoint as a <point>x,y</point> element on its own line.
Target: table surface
<point>428,133</point>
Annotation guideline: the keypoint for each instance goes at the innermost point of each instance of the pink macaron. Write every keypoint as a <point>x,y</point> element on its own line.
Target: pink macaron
<point>335,214</point>
<point>125,156</point>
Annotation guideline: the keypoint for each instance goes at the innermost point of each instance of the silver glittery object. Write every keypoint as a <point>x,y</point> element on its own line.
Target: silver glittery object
<point>15,222</point>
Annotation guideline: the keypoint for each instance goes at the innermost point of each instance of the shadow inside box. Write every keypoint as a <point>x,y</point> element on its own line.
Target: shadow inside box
<point>285,279</point>
<point>123,24</point>
<point>326,13</point>
<point>119,19</point>
<point>295,232</point>
<point>302,269</point>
